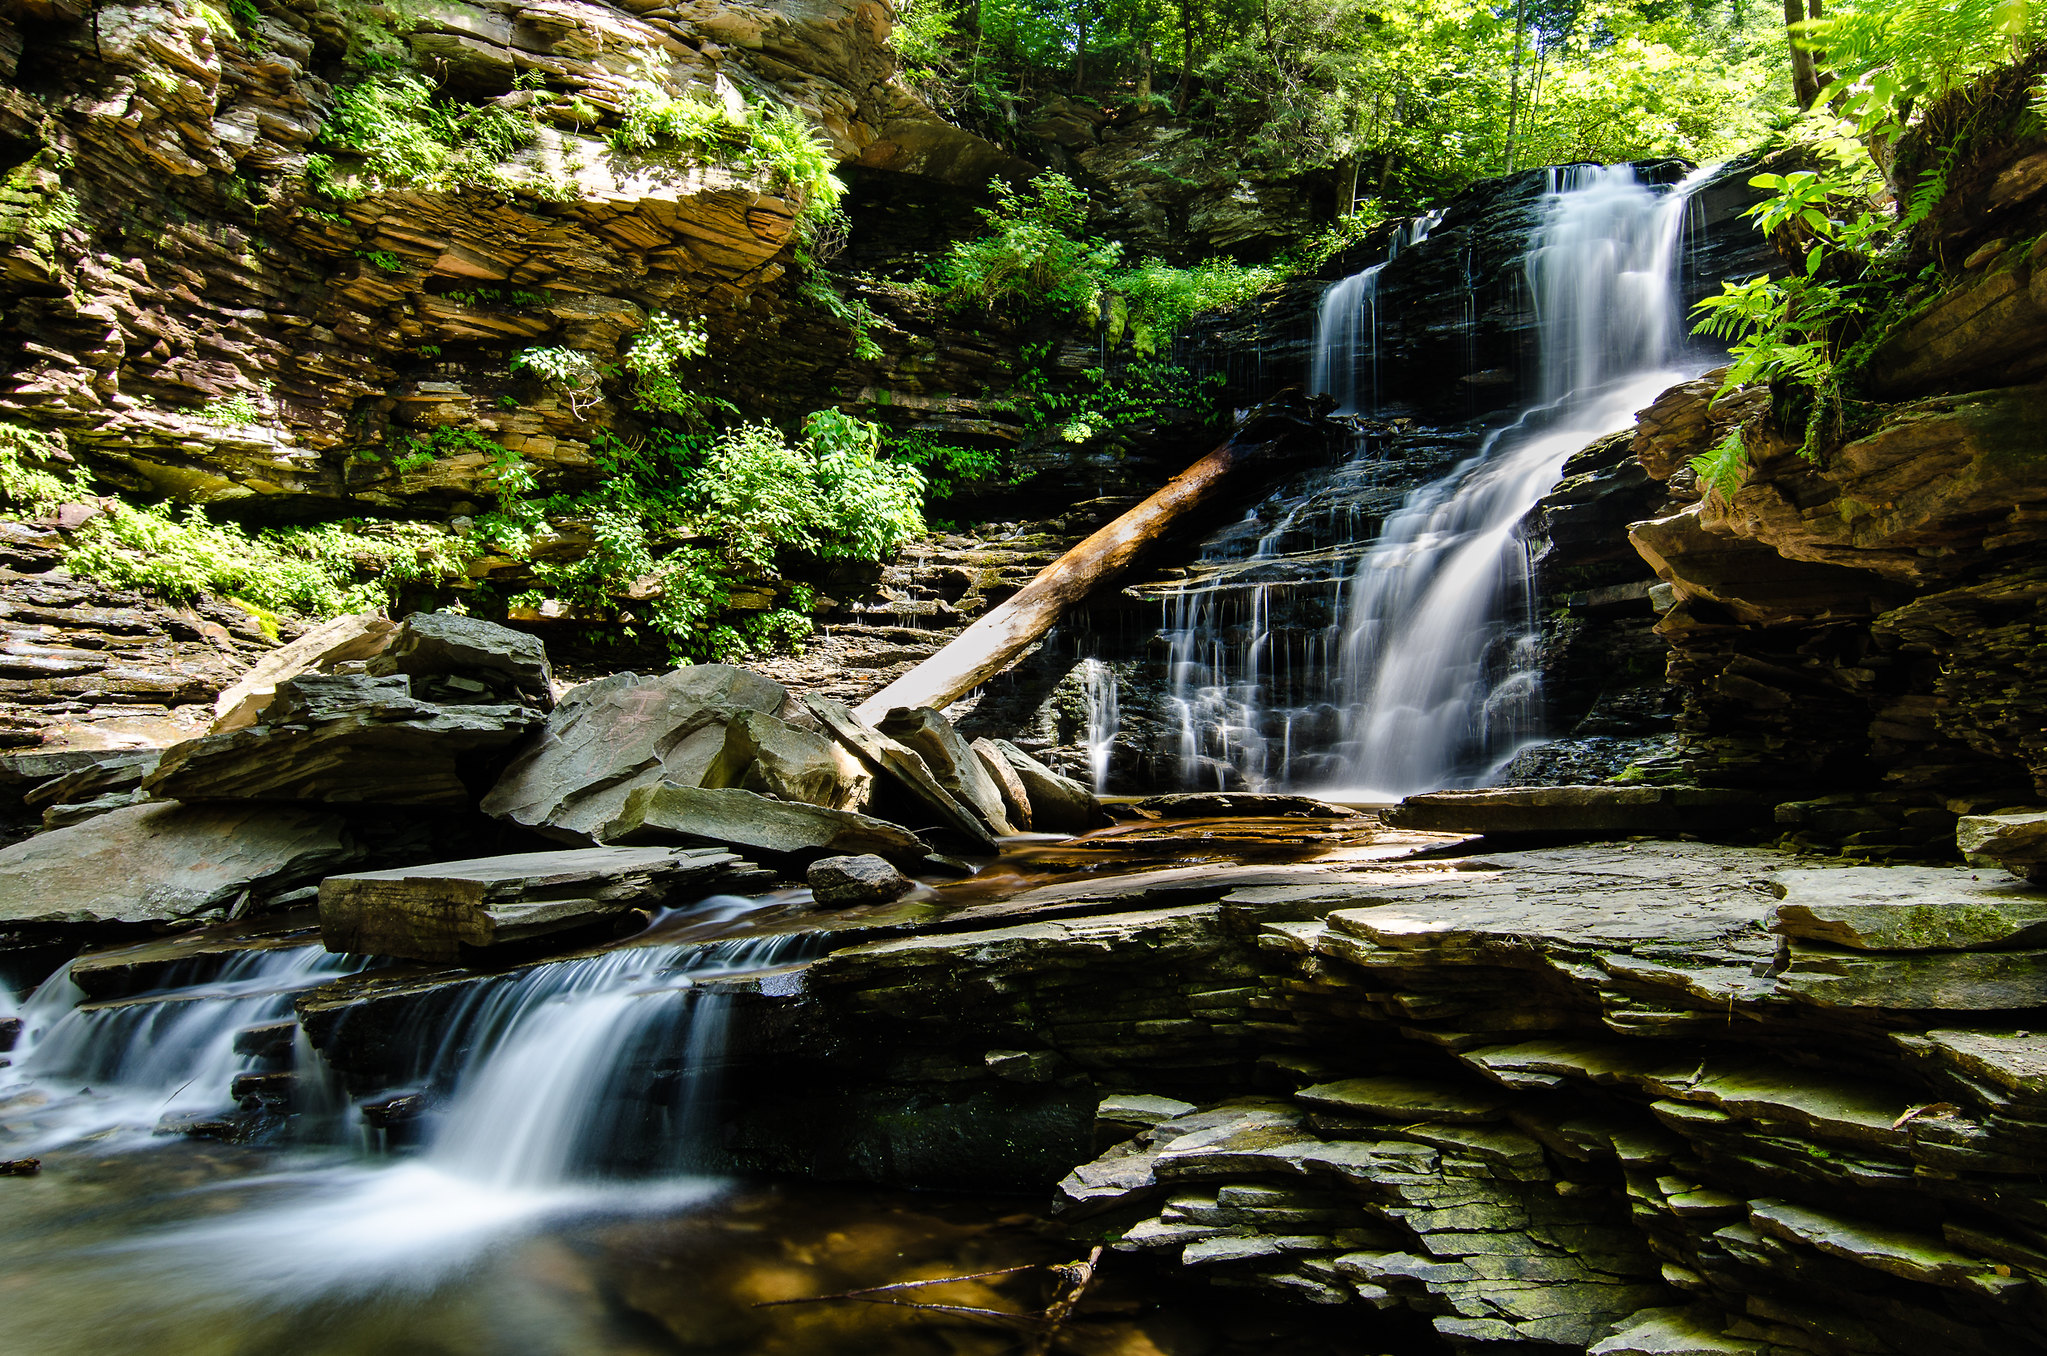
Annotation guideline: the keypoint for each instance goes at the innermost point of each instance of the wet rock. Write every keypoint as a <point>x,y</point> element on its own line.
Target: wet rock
<point>856,880</point>
<point>1058,804</point>
<point>901,768</point>
<point>1583,811</point>
<point>1016,800</point>
<point>2013,839</point>
<point>616,735</point>
<point>348,739</point>
<point>743,819</point>
<point>20,1167</point>
<point>444,911</point>
<point>1241,805</point>
<point>159,863</point>
<point>952,762</point>
<point>455,658</point>
<point>271,1040</point>
<point>1902,908</point>
<point>361,635</point>
<point>791,763</point>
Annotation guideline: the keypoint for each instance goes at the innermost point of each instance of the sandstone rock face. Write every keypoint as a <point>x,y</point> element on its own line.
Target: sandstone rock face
<point>348,739</point>
<point>668,814</point>
<point>856,880</point>
<point>2016,839</point>
<point>155,863</point>
<point>610,737</point>
<point>447,910</point>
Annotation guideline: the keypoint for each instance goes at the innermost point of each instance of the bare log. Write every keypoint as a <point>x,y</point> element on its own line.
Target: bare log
<point>1287,423</point>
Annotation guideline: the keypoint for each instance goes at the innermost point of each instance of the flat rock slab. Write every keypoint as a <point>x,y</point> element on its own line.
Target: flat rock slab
<point>1905,908</point>
<point>1058,804</point>
<point>1583,811</point>
<point>1404,1099</point>
<point>345,739</point>
<point>1241,805</point>
<point>746,820</point>
<point>433,913</point>
<point>2014,839</point>
<point>155,863</point>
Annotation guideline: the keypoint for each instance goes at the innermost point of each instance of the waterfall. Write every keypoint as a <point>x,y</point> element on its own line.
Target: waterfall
<point>1296,661</point>
<point>1104,718</point>
<point>129,1062</point>
<point>1437,674</point>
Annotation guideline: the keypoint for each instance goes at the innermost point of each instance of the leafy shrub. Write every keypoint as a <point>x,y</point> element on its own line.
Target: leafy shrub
<point>31,489</point>
<point>780,142</point>
<point>313,572</point>
<point>401,136</point>
<point>945,468</point>
<point>574,376</point>
<point>1034,257</point>
<point>663,345</point>
<point>236,411</point>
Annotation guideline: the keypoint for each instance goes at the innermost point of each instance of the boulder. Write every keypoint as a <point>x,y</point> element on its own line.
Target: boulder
<point>951,761</point>
<point>1907,908</point>
<point>115,771</point>
<point>1241,805</point>
<point>455,658</point>
<point>743,819</point>
<point>790,763</point>
<point>609,738</point>
<point>1058,804</point>
<point>1583,811</point>
<point>901,766</point>
<point>856,880</point>
<point>347,739</point>
<point>159,863</point>
<point>439,912</point>
<point>2013,839</point>
<point>1015,799</point>
<point>361,635</point>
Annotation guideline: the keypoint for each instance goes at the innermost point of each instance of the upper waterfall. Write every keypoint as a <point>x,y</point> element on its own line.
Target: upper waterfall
<point>1422,670</point>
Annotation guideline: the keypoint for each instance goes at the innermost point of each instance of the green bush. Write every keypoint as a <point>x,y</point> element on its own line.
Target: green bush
<point>311,572</point>
<point>779,142</point>
<point>1034,257</point>
<point>31,489</point>
<point>399,135</point>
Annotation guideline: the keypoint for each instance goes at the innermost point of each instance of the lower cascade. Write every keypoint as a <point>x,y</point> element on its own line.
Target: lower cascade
<point>1423,676</point>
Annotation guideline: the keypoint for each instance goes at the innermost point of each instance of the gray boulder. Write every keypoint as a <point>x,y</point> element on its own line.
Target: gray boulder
<point>362,635</point>
<point>790,763</point>
<point>951,761</point>
<point>902,767</point>
<point>856,880</point>
<point>346,739</point>
<point>1058,804</point>
<point>157,863</point>
<point>743,819</point>
<point>1015,798</point>
<point>612,737</point>
<point>455,658</point>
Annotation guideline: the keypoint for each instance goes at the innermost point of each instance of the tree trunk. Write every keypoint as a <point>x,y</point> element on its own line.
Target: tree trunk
<point>1186,58</point>
<point>1144,74</point>
<point>1514,80</point>
<point>1285,424</point>
<point>1805,84</point>
<point>1080,55</point>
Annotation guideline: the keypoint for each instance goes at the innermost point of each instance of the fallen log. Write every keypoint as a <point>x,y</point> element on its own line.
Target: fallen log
<point>1287,423</point>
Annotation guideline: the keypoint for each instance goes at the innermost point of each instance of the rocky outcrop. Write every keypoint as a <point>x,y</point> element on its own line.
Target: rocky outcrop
<point>450,910</point>
<point>156,863</point>
<point>779,829</point>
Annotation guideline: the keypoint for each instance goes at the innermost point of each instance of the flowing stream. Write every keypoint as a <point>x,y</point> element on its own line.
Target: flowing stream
<point>1420,672</point>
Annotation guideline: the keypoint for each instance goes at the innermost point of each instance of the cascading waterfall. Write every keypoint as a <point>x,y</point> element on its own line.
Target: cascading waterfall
<point>171,1050</point>
<point>1104,718</point>
<point>1421,672</point>
<point>574,1086</point>
<point>1437,674</point>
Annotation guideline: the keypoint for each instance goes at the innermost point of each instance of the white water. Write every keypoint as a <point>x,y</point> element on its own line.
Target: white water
<point>1104,719</point>
<point>547,1073</point>
<point>1437,671</point>
<point>81,1072</point>
<point>1424,674</point>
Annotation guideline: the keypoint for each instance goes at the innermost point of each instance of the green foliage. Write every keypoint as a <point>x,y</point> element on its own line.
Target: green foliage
<point>1894,57</point>
<point>35,206</point>
<point>313,572</point>
<point>1035,256</point>
<point>236,411</point>
<point>946,468</point>
<point>574,376</point>
<point>383,259</point>
<point>777,141</point>
<point>393,132</point>
<point>31,489</point>
<point>658,352</point>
